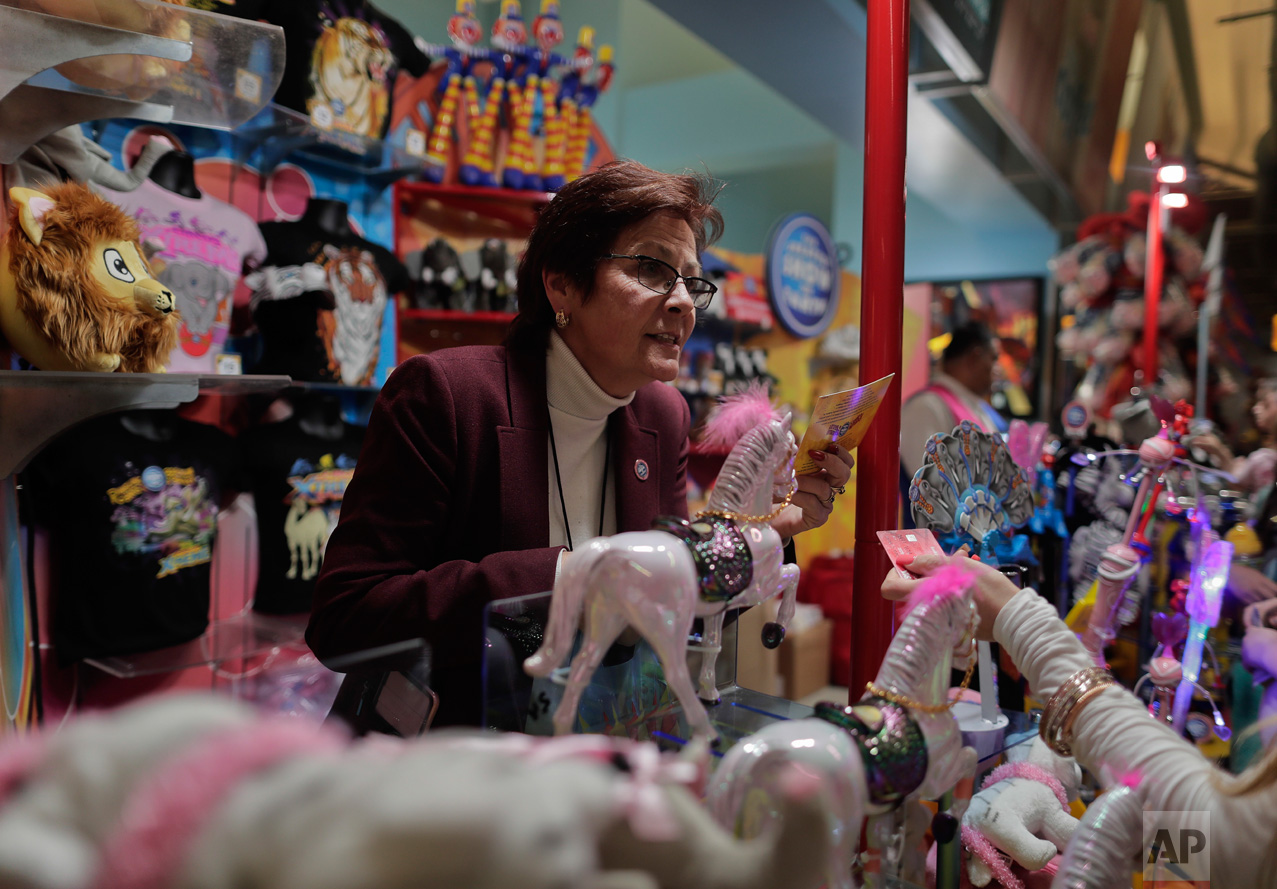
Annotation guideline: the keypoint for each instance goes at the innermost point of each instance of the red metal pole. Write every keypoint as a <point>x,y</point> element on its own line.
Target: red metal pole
<point>1154,267</point>
<point>881,326</point>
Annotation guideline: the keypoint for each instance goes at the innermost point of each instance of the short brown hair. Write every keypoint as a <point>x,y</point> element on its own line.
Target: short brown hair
<point>583,221</point>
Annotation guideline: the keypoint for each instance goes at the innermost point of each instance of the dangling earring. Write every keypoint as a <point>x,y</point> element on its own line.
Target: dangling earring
<point>561,319</point>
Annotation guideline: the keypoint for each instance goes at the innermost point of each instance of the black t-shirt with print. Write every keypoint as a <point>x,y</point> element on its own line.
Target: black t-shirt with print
<point>341,60</point>
<point>132,523</point>
<point>298,481</point>
<point>318,302</point>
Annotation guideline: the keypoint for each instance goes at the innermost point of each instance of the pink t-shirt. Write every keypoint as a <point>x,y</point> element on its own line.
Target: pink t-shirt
<point>203,247</point>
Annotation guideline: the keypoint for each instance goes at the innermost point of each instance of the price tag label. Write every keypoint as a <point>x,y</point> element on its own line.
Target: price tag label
<point>248,86</point>
<point>229,363</point>
<point>415,143</point>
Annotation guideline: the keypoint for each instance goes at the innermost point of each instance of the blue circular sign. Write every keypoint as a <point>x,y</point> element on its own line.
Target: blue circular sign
<point>1076,417</point>
<point>803,275</point>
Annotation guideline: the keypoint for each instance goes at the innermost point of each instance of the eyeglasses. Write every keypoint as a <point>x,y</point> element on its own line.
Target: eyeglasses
<point>659,276</point>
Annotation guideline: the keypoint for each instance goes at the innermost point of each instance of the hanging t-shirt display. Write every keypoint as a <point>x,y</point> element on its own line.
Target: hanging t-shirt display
<point>132,523</point>
<point>319,302</point>
<point>298,480</point>
<point>341,63</point>
<point>203,245</point>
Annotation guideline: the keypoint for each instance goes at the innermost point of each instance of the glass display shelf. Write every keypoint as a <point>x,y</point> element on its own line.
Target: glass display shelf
<point>235,638</point>
<point>628,694</point>
<point>334,388</point>
<point>277,132</point>
<point>36,406</point>
<point>66,61</point>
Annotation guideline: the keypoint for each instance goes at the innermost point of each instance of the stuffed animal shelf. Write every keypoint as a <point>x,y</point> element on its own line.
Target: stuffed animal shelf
<point>76,292</point>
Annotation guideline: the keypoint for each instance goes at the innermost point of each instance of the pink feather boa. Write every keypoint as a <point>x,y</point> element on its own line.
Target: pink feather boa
<point>736,414</point>
<point>165,812</point>
<point>951,580</point>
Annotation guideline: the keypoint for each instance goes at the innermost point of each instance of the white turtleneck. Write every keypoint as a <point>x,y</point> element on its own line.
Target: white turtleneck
<point>579,410</point>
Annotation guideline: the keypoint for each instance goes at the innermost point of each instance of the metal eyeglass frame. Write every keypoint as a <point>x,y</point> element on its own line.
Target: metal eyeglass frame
<point>699,300</point>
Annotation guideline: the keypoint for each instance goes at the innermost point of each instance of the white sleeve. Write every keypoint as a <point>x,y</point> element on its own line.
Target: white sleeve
<point>1115,731</point>
<point>922,416</point>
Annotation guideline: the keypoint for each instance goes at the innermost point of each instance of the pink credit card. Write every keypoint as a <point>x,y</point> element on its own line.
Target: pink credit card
<point>903,546</point>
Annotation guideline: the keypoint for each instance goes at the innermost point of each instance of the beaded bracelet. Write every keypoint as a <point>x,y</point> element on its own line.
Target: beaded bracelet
<point>1056,727</point>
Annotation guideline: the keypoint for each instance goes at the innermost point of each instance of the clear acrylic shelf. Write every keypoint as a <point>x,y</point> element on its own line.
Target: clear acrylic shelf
<point>277,132</point>
<point>36,406</point>
<point>628,694</point>
<point>207,69</point>
<point>241,637</point>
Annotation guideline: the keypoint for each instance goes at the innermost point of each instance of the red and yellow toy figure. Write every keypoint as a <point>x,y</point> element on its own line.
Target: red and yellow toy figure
<point>509,34</point>
<point>465,32</point>
<point>559,127</point>
<point>579,130</point>
<point>536,117</point>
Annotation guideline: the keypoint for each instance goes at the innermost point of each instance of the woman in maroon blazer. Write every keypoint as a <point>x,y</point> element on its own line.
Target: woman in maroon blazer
<point>482,465</point>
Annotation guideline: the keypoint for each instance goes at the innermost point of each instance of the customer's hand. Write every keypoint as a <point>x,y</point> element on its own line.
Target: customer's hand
<point>1247,585</point>
<point>814,501</point>
<point>1211,444</point>
<point>992,589</point>
<point>1259,653</point>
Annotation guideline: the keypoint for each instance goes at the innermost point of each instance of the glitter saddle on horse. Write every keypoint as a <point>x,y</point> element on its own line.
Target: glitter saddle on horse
<point>724,565</point>
<point>891,745</point>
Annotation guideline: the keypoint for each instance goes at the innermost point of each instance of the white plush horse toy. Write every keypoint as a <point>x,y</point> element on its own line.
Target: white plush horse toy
<point>200,792</point>
<point>899,744</point>
<point>659,581</point>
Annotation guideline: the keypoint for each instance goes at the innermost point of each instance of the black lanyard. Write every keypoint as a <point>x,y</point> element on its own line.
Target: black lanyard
<point>607,458</point>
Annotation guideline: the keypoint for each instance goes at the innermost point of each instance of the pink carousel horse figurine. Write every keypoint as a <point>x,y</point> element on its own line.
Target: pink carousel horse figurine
<point>659,581</point>
<point>899,744</point>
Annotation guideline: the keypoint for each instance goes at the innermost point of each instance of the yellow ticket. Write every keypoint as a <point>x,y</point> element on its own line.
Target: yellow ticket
<point>842,417</point>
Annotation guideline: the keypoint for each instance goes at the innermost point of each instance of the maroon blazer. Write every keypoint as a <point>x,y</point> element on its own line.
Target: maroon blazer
<point>449,508</point>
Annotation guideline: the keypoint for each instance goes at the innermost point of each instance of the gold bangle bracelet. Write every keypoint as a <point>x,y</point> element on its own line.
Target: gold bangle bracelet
<point>1066,732</point>
<point>1058,716</point>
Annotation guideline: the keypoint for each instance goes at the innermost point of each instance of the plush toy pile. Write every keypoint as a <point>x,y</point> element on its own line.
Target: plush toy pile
<point>1101,280</point>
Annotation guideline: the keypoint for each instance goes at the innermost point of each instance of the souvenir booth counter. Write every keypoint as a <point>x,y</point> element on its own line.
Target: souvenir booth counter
<point>664,772</point>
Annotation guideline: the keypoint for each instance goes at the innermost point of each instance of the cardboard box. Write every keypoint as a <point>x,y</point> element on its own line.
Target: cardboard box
<point>757,668</point>
<point>804,659</point>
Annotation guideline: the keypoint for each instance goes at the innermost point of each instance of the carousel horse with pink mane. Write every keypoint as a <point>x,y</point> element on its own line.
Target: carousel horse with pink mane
<point>899,744</point>
<point>660,581</point>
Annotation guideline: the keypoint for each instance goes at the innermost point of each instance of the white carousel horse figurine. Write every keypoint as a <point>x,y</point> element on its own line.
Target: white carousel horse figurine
<point>898,745</point>
<point>649,580</point>
<point>1107,839</point>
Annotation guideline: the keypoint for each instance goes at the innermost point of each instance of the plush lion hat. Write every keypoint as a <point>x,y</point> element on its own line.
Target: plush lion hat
<point>76,292</point>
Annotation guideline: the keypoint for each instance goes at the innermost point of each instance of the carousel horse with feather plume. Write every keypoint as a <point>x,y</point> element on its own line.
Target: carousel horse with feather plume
<point>660,581</point>
<point>897,745</point>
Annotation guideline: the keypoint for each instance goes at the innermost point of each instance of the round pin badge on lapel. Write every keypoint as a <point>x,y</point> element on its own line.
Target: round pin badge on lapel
<point>641,470</point>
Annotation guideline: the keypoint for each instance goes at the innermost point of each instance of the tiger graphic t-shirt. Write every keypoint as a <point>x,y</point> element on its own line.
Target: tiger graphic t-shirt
<point>298,480</point>
<point>319,302</point>
<point>341,63</point>
<point>132,524</point>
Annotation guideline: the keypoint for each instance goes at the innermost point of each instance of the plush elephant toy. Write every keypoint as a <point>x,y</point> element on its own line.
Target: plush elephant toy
<point>199,792</point>
<point>1023,811</point>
